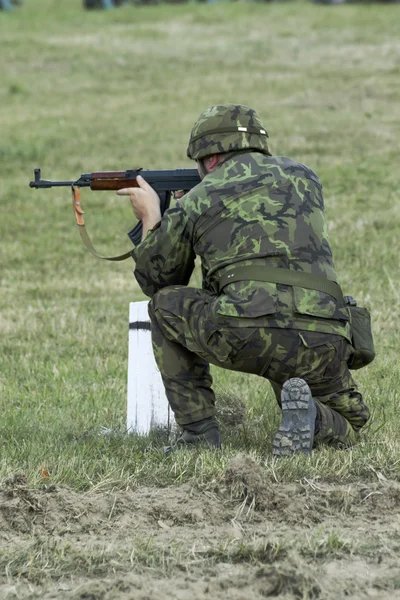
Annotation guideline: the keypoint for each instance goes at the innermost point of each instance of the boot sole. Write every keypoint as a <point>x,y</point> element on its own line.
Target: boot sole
<point>296,432</point>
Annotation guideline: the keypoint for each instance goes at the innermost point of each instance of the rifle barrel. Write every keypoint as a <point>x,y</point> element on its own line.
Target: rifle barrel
<point>43,183</point>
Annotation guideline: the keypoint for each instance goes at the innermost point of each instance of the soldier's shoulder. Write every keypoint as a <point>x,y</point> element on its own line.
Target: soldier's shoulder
<point>294,168</point>
<point>193,197</point>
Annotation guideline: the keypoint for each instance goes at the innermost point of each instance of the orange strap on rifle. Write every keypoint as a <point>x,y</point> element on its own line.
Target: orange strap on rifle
<point>79,212</point>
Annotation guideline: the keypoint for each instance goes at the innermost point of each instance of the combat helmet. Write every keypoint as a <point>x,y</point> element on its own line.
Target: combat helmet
<point>226,128</point>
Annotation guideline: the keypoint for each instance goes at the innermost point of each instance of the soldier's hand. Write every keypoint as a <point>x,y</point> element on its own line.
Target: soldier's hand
<point>145,201</point>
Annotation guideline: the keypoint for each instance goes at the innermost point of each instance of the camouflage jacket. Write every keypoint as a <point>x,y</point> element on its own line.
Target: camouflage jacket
<point>252,206</point>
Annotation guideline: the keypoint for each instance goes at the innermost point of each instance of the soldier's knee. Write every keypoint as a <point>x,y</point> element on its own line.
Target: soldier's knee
<point>168,300</point>
<point>153,305</point>
<point>162,299</point>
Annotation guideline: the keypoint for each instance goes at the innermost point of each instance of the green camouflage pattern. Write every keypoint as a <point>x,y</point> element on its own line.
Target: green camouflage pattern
<point>220,128</point>
<point>186,339</point>
<point>252,206</point>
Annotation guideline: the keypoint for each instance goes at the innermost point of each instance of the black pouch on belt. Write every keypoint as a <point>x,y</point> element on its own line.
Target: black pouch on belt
<point>361,334</point>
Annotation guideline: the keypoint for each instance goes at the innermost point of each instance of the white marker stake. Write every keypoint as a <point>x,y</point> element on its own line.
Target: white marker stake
<point>147,404</point>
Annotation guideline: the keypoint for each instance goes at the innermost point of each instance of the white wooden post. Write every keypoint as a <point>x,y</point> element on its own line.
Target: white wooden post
<point>147,403</point>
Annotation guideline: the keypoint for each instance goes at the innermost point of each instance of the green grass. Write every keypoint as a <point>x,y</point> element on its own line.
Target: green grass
<point>84,91</point>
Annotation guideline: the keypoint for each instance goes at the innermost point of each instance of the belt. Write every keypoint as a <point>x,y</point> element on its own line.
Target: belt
<point>283,277</point>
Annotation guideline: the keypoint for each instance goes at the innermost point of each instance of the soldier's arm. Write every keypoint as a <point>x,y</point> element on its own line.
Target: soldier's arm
<point>165,256</point>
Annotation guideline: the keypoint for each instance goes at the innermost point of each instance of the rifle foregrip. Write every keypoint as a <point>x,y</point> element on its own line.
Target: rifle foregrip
<point>112,184</point>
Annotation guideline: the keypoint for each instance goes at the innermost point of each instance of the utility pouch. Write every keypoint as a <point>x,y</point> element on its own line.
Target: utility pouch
<point>361,334</point>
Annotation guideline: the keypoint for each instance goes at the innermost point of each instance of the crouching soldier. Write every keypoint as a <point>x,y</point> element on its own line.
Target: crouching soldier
<point>269,302</point>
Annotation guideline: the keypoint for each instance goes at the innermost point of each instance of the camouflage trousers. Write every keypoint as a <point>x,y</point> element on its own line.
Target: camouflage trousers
<point>187,337</point>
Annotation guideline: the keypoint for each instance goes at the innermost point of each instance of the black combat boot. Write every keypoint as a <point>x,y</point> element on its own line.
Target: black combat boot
<point>205,431</point>
<point>299,415</point>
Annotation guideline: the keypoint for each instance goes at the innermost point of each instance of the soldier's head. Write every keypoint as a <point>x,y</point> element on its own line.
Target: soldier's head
<point>223,129</point>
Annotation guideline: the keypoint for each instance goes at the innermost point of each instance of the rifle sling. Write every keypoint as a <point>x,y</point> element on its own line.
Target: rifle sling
<point>267,274</point>
<point>78,212</point>
<point>87,242</point>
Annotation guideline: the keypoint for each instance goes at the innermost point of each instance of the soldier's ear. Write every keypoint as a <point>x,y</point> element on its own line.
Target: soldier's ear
<point>211,162</point>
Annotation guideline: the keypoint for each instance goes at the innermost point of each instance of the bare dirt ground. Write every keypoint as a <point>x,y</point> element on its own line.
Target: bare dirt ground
<point>240,538</point>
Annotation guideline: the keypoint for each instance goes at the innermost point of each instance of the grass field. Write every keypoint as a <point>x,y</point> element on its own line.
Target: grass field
<point>103,517</point>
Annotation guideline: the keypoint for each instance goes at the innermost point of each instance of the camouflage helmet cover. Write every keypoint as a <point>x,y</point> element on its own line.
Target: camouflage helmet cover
<point>226,128</point>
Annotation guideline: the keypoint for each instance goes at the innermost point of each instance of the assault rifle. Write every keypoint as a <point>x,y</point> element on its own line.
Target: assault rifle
<point>163,182</point>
